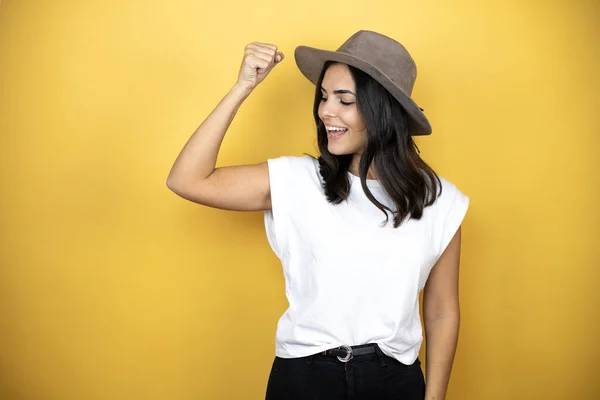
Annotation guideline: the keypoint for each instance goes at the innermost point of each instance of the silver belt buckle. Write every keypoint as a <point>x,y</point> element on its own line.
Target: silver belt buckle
<point>349,354</point>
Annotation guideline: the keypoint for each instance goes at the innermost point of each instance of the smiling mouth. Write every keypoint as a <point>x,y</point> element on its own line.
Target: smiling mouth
<point>336,134</point>
<point>336,131</point>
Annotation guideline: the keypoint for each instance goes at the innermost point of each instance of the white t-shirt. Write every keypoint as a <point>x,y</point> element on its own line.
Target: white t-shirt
<point>347,279</point>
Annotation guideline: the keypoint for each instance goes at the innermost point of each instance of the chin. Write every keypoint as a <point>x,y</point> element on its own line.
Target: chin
<point>336,150</point>
<point>341,147</point>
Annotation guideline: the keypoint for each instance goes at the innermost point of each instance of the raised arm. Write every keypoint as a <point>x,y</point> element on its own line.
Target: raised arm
<point>194,177</point>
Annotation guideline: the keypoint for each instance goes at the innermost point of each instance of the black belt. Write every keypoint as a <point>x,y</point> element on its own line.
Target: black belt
<point>346,353</point>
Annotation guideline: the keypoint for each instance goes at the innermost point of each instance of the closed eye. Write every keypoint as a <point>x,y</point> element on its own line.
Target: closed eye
<point>343,102</point>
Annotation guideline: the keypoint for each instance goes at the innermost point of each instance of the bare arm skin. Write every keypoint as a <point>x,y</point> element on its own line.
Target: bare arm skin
<point>194,177</point>
<point>441,315</point>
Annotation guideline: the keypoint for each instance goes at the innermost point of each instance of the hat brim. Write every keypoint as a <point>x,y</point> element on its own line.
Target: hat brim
<point>310,61</point>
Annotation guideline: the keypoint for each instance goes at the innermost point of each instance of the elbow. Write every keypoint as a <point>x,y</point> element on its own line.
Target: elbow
<point>171,184</point>
<point>176,185</point>
<point>181,182</point>
<point>189,190</point>
<point>447,314</point>
<point>178,189</point>
<point>441,308</point>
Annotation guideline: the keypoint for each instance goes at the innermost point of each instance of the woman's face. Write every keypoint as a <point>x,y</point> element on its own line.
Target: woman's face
<point>338,110</point>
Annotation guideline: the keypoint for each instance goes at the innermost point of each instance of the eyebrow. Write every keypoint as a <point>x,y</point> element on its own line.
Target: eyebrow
<point>341,91</point>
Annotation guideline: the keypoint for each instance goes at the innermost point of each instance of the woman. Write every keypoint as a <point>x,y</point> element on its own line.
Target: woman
<point>352,276</point>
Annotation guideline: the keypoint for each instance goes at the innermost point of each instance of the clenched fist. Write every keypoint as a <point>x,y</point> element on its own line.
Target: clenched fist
<point>259,60</point>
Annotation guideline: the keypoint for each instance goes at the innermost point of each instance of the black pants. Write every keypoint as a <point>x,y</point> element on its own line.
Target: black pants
<point>367,377</point>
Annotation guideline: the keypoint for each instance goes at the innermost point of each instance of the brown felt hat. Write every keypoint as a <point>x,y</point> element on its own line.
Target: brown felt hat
<point>383,58</point>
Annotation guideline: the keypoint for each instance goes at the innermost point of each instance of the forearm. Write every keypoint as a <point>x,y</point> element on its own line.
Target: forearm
<point>198,158</point>
<point>442,338</point>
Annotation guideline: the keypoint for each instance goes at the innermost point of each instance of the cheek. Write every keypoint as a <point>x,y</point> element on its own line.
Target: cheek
<point>354,120</point>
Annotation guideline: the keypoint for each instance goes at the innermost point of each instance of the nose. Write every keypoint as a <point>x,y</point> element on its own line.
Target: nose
<point>327,110</point>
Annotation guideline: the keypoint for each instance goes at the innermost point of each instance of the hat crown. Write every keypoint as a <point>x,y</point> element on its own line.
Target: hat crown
<point>385,54</point>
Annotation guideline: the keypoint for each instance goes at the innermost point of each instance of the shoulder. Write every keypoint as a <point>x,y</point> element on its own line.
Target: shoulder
<point>303,160</point>
<point>446,214</point>
<point>450,199</point>
<point>294,164</point>
<point>449,192</point>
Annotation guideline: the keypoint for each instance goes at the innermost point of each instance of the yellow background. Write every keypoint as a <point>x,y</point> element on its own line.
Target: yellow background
<point>113,288</point>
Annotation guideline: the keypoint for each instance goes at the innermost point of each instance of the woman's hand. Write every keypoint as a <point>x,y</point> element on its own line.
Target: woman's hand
<point>259,60</point>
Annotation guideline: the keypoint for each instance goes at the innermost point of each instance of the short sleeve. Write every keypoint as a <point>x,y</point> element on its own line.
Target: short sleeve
<point>451,210</point>
<point>276,219</point>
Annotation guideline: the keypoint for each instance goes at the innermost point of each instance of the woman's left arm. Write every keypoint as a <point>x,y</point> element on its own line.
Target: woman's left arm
<point>441,316</point>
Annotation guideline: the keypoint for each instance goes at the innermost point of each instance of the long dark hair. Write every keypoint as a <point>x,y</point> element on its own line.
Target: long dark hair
<point>407,179</point>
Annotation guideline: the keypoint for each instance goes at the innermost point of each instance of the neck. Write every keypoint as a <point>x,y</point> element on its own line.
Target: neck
<point>353,168</point>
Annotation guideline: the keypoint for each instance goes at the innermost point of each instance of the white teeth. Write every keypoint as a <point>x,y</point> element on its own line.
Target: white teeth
<point>334,128</point>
